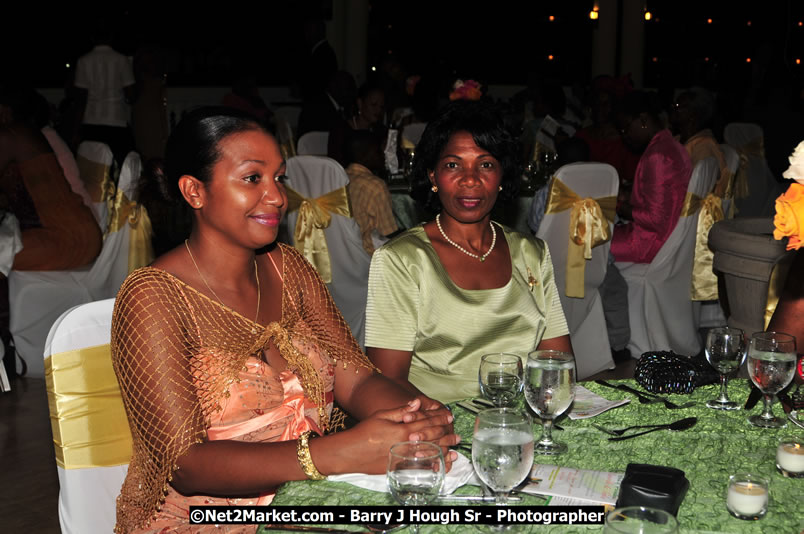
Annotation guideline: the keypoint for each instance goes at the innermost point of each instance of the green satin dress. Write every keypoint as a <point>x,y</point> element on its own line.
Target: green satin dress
<point>413,305</point>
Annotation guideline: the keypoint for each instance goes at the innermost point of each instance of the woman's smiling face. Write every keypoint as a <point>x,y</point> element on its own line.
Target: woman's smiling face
<point>468,179</point>
<point>245,199</point>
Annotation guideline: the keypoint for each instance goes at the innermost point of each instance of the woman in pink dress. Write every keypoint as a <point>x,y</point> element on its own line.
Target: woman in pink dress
<point>230,352</point>
<point>660,181</point>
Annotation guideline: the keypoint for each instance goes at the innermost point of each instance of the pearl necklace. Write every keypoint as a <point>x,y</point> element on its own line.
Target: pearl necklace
<point>256,275</point>
<point>456,245</point>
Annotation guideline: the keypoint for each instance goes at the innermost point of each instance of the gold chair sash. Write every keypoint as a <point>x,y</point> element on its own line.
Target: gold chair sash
<point>315,214</point>
<point>704,280</point>
<point>89,423</point>
<point>588,228</point>
<point>755,148</point>
<point>97,179</point>
<point>124,211</point>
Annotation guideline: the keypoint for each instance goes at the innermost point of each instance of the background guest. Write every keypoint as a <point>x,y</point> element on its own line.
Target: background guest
<point>660,182</point>
<point>369,114</point>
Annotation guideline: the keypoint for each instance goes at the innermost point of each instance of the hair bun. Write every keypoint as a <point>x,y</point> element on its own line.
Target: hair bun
<point>155,177</point>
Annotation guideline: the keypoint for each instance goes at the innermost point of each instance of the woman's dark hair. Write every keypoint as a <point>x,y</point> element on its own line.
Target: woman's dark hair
<point>193,146</point>
<point>369,87</point>
<point>485,123</point>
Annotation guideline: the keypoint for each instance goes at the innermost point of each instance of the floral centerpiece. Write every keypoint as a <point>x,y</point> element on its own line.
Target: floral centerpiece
<point>466,90</point>
<point>789,219</point>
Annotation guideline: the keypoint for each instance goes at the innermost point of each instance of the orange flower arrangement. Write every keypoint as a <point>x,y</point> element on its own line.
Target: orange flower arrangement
<point>789,219</point>
<point>466,90</point>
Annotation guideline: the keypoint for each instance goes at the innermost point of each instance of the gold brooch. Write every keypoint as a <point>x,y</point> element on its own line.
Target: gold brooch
<point>532,282</point>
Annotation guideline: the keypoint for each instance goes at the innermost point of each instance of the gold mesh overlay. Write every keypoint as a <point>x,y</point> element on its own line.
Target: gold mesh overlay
<point>176,352</point>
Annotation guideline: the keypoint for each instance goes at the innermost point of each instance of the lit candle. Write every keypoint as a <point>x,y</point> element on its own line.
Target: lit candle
<point>747,498</point>
<point>790,457</point>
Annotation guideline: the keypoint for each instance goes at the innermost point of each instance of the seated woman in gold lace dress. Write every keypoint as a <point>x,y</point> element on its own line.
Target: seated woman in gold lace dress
<point>230,351</point>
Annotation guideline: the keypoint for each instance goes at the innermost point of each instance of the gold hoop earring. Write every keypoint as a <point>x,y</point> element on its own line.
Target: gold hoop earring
<point>434,189</point>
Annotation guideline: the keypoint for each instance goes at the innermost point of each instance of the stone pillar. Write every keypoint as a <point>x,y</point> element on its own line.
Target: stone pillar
<point>347,32</point>
<point>632,40</point>
<point>604,40</point>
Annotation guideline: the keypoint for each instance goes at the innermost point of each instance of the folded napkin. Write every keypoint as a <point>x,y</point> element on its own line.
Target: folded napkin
<point>462,473</point>
<point>10,241</point>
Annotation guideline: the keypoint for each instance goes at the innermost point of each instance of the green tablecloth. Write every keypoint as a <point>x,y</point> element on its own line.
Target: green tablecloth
<point>721,444</point>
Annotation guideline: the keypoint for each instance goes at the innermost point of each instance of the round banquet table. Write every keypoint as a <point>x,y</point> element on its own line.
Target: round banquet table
<point>721,444</point>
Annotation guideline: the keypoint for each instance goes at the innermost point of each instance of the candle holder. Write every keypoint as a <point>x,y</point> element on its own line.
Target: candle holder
<point>790,457</point>
<point>747,496</point>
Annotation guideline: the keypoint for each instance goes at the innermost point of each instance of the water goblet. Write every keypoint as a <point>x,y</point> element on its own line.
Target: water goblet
<point>771,365</point>
<point>549,390</point>
<point>415,473</point>
<point>502,450</point>
<point>639,519</point>
<point>500,376</point>
<point>725,351</point>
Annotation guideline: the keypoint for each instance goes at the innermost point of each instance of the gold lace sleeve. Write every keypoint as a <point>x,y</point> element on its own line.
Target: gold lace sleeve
<point>152,343</point>
<point>308,301</point>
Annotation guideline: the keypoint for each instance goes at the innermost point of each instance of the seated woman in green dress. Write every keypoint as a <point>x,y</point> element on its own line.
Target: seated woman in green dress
<point>444,293</point>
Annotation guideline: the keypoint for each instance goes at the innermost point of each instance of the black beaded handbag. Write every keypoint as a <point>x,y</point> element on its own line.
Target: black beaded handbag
<point>668,372</point>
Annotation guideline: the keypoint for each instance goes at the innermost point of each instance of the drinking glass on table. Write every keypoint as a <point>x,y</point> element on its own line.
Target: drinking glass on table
<point>502,450</point>
<point>549,390</point>
<point>725,351</point>
<point>500,376</point>
<point>640,519</point>
<point>771,366</point>
<point>415,473</point>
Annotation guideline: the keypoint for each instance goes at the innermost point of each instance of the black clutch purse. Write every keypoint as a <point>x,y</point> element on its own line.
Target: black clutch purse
<point>668,372</point>
<point>654,486</point>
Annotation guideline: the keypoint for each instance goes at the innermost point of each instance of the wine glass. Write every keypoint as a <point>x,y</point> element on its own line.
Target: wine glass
<point>771,365</point>
<point>550,389</point>
<point>638,519</point>
<point>502,450</point>
<point>725,351</point>
<point>500,376</point>
<point>415,473</point>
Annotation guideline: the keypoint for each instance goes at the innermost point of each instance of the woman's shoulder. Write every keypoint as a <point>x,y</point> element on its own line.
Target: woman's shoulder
<point>147,283</point>
<point>411,239</point>
<point>522,242</point>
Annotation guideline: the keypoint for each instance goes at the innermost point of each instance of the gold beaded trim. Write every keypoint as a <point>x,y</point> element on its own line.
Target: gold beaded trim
<point>305,460</point>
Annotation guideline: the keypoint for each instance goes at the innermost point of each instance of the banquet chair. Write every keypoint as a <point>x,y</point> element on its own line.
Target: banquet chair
<point>320,225</point>
<point>756,188</point>
<point>313,144</point>
<point>95,164</point>
<point>38,298</point>
<point>583,310</point>
<point>733,164</point>
<point>662,314</point>
<point>91,436</point>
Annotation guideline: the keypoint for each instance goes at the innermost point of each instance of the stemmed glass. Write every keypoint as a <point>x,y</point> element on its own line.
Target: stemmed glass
<point>502,450</point>
<point>550,389</point>
<point>415,473</point>
<point>637,519</point>
<point>771,365</point>
<point>500,376</point>
<point>725,351</point>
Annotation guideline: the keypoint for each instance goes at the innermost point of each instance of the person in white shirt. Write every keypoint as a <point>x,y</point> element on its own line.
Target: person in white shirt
<point>105,79</point>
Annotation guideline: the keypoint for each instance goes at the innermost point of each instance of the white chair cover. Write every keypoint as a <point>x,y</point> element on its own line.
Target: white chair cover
<point>661,312</point>
<point>93,159</point>
<point>585,319</point>
<point>38,298</point>
<point>413,132</point>
<point>312,177</point>
<point>762,186</point>
<point>313,144</point>
<point>86,495</point>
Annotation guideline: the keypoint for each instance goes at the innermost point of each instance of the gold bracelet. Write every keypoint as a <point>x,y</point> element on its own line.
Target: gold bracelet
<point>305,460</point>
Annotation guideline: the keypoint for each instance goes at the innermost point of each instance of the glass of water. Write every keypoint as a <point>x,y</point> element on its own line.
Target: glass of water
<point>771,365</point>
<point>500,376</point>
<point>725,351</point>
<point>502,450</point>
<point>640,519</point>
<point>549,390</point>
<point>415,473</point>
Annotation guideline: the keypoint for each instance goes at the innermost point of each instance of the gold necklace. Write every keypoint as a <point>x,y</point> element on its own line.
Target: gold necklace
<point>256,275</point>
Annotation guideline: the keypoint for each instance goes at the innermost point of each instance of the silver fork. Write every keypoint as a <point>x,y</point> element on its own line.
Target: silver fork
<point>621,431</point>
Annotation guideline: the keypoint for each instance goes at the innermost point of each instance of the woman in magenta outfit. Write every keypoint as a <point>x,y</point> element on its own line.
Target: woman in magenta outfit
<point>660,182</point>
